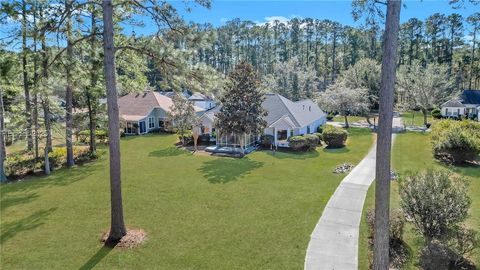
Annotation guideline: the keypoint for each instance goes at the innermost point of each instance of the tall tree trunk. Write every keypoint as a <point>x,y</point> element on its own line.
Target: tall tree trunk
<point>117,228</point>
<point>3,178</point>
<point>384,137</point>
<point>93,83</point>
<point>35,82</point>
<point>346,121</point>
<point>26,84</point>
<point>334,44</point>
<point>472,58</point>
<point>69,88</point>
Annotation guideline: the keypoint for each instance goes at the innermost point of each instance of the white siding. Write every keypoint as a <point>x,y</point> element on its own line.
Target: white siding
<point>452,111</point>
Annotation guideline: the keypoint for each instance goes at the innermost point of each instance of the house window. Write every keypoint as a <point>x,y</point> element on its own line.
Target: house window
<point>151,122</point>
<point>310,108</point>
<point>308,129</point>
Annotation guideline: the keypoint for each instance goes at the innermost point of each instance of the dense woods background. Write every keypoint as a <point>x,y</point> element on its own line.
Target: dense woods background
<point>54,49</point>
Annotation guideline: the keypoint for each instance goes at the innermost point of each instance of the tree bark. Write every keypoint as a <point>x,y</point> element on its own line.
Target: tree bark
<point>384,138</point>
<point>35,83</point>
<point>117,228</point>
<point>69,88</point>
<point>45,101</point>
<point>93,83</point>
<point>26,84</point>
<point>425,120</point>
<point>472,57</point>
<point>3,178</point>
<point>346,121</point>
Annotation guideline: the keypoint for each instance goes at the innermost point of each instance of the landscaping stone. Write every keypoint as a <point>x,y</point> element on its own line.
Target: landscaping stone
<point>344,168</point>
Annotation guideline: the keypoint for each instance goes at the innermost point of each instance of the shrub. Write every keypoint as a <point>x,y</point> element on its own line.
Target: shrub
<point>334,137</point>
<point>312,141</point>
<point>320,137</point>
<point>100,134</point>
<point>320,129</point>
<point>436,202</point>
<point>436,113</point>
<point>456,141</point>
<point>397,250</point>
<point>297,143</point>
<point>266,140</point>
<point>58,156</point>
<point>20,164</point>
<point>186,137</point>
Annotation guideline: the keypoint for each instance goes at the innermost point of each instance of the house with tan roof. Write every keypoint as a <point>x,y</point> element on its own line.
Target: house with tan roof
<point>145,111</point>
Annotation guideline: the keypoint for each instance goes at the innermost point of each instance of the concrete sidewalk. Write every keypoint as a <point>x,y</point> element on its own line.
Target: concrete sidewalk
<point>334,241</point>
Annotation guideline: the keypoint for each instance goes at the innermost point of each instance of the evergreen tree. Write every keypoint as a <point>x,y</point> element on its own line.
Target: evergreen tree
<point>241,112</point>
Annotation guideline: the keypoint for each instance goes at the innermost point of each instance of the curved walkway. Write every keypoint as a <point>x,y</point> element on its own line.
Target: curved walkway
<point>334,241</point>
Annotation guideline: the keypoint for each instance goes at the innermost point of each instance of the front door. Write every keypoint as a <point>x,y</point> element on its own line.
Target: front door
<point>142,127</point>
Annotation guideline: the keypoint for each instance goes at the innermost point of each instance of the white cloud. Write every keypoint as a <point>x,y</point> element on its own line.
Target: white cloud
<point>271,19</point>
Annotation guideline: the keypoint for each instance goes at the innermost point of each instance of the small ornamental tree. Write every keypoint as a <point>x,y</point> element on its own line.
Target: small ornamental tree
<point>241,112</point>
<point>182,116</point>
<point>436,202</point>
<point>344,99</point>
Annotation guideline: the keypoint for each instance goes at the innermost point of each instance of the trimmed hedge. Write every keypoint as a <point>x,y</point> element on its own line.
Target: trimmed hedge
<point>456,141</point>
<point>334,137</point>
<point>308,142</point>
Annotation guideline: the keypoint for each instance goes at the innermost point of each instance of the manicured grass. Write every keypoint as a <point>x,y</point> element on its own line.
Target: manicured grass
<point>58,138</point>
<point>351,119</point>
<point>414,118</point>
<point>412,152</point>
<point>200,212</point>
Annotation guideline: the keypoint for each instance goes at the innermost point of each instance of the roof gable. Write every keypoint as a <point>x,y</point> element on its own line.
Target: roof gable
<point>300,113</point>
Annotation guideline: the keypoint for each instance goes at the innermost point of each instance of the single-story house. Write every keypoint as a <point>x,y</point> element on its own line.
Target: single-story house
<point>285,118</point>
<point>468,105</point>
<point>146,111</point>
<point>204,101</point>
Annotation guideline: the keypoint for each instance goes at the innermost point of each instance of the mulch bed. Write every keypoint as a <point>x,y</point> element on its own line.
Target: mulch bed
<point>133,238</point>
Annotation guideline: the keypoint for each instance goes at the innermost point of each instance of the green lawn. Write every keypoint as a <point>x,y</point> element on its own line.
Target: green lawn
<point>412,152</point>
<point>351,119</point>
<point>414,118</point>
<point>200,212</point>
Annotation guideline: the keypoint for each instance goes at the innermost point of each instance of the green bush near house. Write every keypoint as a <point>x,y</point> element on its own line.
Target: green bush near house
<point>297,143</point>
<point>312,141</point>
<point>334,137</point>
<point>436,113</point>
<point>456,141</point>
<point>320,137</point>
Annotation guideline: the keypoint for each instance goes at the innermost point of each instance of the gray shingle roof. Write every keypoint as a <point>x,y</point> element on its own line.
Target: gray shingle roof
<point>471,97</point>
<point>302,113</point>
<point>453,103</point>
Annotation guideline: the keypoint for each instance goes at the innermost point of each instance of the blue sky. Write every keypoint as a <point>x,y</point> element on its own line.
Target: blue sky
<point>268,10</point>
<point>322,9</point>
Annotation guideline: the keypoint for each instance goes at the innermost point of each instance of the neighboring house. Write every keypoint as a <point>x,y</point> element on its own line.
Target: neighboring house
<point>146,111</point>
<point>203,101</point>
<point>285,118</point>
<point>467,106</point>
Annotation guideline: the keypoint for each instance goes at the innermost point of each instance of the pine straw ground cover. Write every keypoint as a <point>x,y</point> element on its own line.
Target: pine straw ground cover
<point>198,212</point>
<point>413,152</point>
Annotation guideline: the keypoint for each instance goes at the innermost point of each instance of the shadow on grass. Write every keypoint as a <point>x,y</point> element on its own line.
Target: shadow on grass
<point>13,200</point>
<point>96,258</point>
<point>10,229</point>
<point>60,177</point>
<point>167,152</point>
<point>290,154</point>
<point>337,150</point>
<point>224,170</point>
